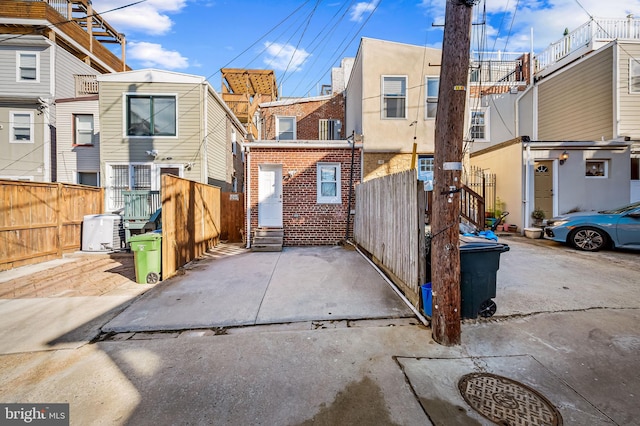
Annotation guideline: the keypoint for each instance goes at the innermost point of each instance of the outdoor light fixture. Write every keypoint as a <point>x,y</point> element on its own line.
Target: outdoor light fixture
<point>563,157</point>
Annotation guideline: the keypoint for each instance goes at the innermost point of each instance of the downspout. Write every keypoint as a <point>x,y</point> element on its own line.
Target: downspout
<point>353,149</point>
<point>527,185</point>
<point>247,182</point>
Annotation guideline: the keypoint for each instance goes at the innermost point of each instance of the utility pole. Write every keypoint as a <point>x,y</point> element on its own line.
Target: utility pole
<point>452,94</point>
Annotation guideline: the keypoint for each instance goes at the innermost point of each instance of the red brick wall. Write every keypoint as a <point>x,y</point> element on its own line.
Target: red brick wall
<point>308,115</point>
<point>306,222</point>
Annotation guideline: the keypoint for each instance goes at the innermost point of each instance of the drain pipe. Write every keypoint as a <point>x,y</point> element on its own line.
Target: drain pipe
<point>247,182</point>
<point>422,319</point>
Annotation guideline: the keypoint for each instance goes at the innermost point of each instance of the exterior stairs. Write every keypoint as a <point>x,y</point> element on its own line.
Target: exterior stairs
<point>267,239</point>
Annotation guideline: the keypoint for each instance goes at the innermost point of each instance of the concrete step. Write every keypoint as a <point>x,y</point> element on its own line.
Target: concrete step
<point>266,247</point>
<point>269,232</point>
<point>268,240</point>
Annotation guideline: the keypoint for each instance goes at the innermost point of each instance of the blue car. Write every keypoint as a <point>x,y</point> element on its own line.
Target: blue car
<point>592,231</point>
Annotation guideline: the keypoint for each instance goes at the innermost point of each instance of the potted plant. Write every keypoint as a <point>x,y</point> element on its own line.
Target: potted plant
<point>538,216</point>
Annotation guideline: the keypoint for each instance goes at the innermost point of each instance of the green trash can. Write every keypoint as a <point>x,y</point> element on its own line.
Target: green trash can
<point>147,256</point>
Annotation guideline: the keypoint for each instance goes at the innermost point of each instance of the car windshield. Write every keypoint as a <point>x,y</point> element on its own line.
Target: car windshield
<point>622,209</point>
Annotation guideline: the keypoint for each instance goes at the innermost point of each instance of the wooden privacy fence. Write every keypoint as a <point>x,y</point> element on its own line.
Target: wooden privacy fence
<point>190,221</point>
<point>41,221</point>
<point>389,225</point>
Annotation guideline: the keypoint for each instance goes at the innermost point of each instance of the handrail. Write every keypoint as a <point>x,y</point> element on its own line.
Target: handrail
<point>472,207</point>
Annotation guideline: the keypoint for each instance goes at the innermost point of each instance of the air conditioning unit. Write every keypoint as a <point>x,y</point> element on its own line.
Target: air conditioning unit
<point>102,233</point>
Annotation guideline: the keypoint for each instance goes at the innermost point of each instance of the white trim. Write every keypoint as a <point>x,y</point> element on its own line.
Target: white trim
<point>605,161</point>
<point>12,138</point>
<point>426,97</point>
<point>295,127</point>
<point>383,114</point>
<point>18,62</point>
<point>486,125</point>
<point>335,199</point>
<point>22,178</point>
<point>125,111</point>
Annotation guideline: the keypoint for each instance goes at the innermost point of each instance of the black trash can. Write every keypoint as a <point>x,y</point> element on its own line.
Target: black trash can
<point>479,264</point>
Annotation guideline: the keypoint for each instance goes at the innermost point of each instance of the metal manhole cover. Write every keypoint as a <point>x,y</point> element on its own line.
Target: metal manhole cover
<point>507,402</point>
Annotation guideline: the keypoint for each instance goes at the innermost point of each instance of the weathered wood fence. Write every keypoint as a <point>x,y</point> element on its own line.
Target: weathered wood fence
<point>190,221</point>
<point>42,221</point>
<point>232,216</point>
<point>389,225</point>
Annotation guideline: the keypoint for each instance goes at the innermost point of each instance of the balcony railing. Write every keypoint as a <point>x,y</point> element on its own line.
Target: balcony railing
<point>583,39</point>
<point>86,85</point>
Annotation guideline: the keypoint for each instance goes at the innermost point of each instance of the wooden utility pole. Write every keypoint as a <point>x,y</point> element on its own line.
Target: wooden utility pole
<point>452,94</point>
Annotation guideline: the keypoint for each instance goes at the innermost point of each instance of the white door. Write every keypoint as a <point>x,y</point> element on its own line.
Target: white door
<point>270,195</point>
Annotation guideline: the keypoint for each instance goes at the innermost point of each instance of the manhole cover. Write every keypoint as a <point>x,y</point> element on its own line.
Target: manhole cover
<point>507,402</point>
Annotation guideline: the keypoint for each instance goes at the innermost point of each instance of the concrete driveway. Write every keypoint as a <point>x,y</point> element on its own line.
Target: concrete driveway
<point>566,327</point>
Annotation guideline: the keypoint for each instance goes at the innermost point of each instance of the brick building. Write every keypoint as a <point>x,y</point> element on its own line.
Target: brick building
<point>314,118</point>
<point>307,184</point>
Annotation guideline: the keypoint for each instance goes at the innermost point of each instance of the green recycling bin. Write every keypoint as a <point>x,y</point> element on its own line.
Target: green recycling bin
<point>147,256</point>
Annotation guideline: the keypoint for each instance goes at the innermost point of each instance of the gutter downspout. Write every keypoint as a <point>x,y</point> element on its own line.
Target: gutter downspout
<point>527,186</point>
<point>247,182</point>
<point>353,149</point>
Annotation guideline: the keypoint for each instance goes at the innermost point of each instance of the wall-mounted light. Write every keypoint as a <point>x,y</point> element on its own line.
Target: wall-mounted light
<point>563,157</point>
<point>153,153</point>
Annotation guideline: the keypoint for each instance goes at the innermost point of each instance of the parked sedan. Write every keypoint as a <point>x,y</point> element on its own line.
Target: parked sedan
<point>591,231</point>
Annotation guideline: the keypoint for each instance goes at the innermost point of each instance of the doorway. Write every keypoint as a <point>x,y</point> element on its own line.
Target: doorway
<point>543,186</point>
<point>270,195</point>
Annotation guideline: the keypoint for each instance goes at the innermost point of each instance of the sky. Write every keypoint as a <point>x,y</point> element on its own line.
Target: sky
<point>302,40</point>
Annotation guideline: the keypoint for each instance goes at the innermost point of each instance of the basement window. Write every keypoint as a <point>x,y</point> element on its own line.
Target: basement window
<point>597,169</point>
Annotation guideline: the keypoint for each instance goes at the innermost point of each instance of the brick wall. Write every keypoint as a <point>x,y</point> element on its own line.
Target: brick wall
<point>385,163</point>
<point>306,222</point>
<point>308,115</point>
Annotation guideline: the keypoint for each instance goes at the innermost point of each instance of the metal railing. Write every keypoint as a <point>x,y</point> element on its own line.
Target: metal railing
<point>597,29</point>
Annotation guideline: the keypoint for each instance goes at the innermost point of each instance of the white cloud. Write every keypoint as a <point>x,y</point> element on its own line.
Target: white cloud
<point>283,57</point>
<point>152,55</point>
<point>358,11</point>
<point>149,17</point>
<point>547,18</point>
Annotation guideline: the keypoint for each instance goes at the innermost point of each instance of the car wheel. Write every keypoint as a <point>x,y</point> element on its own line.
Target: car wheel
<point>588,239</point>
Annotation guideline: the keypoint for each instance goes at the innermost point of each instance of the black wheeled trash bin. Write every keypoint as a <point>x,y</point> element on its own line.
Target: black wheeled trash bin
<point>479,263</point>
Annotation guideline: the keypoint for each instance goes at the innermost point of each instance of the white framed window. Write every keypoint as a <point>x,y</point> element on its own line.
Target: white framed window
<point>431,89</point>
<point>21,127</point>
<point>328,183</point>
<point>136,176</point>
<point>285,128</point>
<point>634,75</point>
<point>479,130</point>
<point>425,167</point>
<point>597,169</point>
<point>150,115</point>
<point>394,96</point>
<point>28,67</point>
<point>83,129</point>
<point>329,129</point>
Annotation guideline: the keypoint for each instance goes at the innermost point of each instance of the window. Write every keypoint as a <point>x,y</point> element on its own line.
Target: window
<point>597,168</point>
<point>285,128</point>
<point>88,178</point>
<point>21,127</point>
<point>124,177</point>
<point>432,85</point>
<point>425,167</point>
<point>634,75</point>
<point>328,180</point>
<point>635,168</point>
<point>27,66</point>
<point>394,97</point>
<point>480,124</point>
<point>151,115</point>
<point>329,129</point>
<point>83,131</point>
